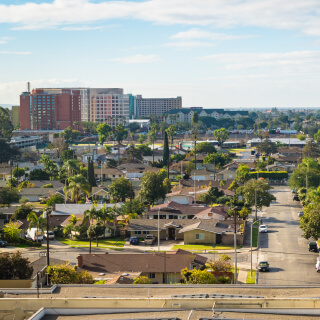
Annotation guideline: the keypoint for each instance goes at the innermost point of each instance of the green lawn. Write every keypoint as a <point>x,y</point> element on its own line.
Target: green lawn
<point>237,150</point>
<point>202,247</point>
<point>255,232</point>
<point>104,243</point>
<point>251,280</point>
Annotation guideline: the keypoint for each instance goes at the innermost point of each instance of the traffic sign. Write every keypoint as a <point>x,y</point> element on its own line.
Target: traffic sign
<point>42,254</point>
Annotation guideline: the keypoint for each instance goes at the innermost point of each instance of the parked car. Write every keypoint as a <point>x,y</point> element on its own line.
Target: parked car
<point>313,246</point>
<point>149,240</point>
<point>263,228</point>
<point>300,214</point>
<point>253,152</point>
<point>134,240</point>
<point>295,197</point>
<point>263,266</point>
<point>3,243</point>
<point>50,233</point>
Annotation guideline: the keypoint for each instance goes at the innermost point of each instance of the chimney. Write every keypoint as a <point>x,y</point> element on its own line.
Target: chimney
<point>80,261</point>
<point>53,207</point>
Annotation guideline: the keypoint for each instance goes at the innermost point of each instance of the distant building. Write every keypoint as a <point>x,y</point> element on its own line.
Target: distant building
<point>144,107</point>
<point>24,142</point>
<point>185,115</point>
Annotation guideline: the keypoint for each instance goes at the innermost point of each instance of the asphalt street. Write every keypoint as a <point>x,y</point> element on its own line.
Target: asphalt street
<point>283,247</point>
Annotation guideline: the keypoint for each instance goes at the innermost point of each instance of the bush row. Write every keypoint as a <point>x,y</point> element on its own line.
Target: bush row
<point>30,242</point>
<point>273,175</point>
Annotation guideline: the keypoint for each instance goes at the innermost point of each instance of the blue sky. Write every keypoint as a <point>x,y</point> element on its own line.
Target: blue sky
<point>213,53</point>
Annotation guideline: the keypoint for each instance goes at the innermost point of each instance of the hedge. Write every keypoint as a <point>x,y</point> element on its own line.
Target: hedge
<point>272,175</point>
<point>30,242</point>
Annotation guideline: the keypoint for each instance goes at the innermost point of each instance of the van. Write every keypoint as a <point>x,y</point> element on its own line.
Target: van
<point>34,235</point>
<point>313,246</point>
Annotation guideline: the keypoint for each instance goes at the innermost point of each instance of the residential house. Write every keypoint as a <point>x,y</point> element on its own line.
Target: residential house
<point>200,157</point>
<point>99,193</point>
<point>56,184</point>
<point>173,210</point>
<point>5,172</point>
<point>137,172</point>
<point>276,167</point>
<point>217,213</point>
<point>36,194</point>
<point>203,174</point>
<point>158,267</point>
<point>215,231</point>
<point>206,183</point>
<point>228,173</point>
<point>108,174</point>
<point>180,196</point>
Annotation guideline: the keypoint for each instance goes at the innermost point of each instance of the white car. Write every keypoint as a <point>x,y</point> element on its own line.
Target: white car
<point>263,228</point>
<point>51,235</point>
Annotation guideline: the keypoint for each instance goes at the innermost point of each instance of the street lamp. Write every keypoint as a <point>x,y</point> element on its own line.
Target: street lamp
<point>235,244</point>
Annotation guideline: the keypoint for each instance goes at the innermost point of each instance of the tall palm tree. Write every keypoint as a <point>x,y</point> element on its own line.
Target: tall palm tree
<point>45,159</point>
<point>114,212</point>
<point>90,214</point>
<point>71,226</point>
<point>77,185</point>
<point>120,133</point>
<point>72,166</point>
<point>152,138</point>
<point>36,222</point>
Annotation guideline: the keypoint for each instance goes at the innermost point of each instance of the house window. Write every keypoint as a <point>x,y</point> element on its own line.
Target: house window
<point>199,236</point>
<point>137,232</point>
<point>152,275</point>
<point>145,232</point>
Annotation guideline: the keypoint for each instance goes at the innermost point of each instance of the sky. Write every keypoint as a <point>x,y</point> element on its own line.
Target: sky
<point>213,53</point>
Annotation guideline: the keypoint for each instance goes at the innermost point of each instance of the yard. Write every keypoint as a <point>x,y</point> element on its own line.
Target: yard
<point>251,280</point>
<point>115,243</point>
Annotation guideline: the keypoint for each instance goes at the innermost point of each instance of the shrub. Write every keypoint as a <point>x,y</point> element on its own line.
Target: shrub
<point>49,185</point>
<point>30,242</point>
<point>141,280</point>
<point>100,282</point>
<point>223,280</point>
<point>222,200</point>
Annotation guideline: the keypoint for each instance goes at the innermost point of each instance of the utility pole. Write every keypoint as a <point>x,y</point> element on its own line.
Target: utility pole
<point>194,188</point>
<point>255,203</point>
<point>47,213</point>
<point>159,230</point>
<point>251,248</point>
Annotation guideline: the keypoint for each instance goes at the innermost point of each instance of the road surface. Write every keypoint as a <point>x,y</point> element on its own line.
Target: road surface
<point>283,247</point>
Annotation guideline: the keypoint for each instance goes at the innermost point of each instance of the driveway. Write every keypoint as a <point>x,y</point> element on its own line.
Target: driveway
<point>283,247</point>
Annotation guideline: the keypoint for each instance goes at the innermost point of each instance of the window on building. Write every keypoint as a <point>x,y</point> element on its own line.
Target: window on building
<point>137,232</point>
<point>152,275</point>
<point>199,236</point>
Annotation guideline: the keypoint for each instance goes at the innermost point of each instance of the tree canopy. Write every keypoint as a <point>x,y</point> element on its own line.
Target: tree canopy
<point>221,135</point>
<point>120,189</point>
<point>205,147</point>
<point>267,147</point>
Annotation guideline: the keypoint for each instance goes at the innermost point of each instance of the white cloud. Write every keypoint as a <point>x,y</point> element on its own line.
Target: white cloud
<point>300,60</point>
<point>299,15</point>
<point>206,35</point>
<point>17,52</point>
<point>189,44</point>
<point>4,40</point>
<point>80,28</point>
<point>139,58</point>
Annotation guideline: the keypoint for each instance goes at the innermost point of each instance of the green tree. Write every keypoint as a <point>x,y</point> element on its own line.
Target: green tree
<point>134,154</point>
<point>267,147</point>
<point>222,264</point>
<point>54,199</point>
<point>71,226</point>
<point>211,196</point>
<point>67,154</point>
<point>145,150</point>
<point>77,185</point>
<point>6,151</point>
<point>39,174</point>
<point>261,188</point>
<point>167,185</point>
<point>22,212</point>
<point>96,230</point>
<point>166,152</point>
<point>172,132</point>
<point>152,187</point>
<point>66,274</point>
<point>311,149</point>
<point>120,189</point>
<point>14,266</point>
<point>104,130</point>
<point>6,126</point>
<point>142,138</point>
<point>205,147</point>
<point>133,206</point>
<point>36,222</point>
<point>72,167</point>
<point>310,221</point>
<point>243,173</point>
<point>221,135</point>
<point>198,276</point>
<point>219,159</point>
<point>18,172</point>
<point>9,195</point>
<point>12,231</point>
<point>120,133</point>
<point>90,174</point>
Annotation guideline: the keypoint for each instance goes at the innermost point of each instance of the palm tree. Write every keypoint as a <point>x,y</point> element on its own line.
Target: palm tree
<point>36,222</point>
<point>90,215</point>
<point>152,138</point>
<point>71,226</point>
<point>72,166</point>
<point>113,214</point>
<point>77,185</point>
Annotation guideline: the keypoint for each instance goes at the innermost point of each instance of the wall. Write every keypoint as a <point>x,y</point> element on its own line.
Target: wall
<point>190,237</point>
<point>16,283</point>
<point>229,239</point>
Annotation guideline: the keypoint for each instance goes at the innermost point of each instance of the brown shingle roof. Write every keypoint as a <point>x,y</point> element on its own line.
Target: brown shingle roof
<point>176,208</point>
<point>129,262</point>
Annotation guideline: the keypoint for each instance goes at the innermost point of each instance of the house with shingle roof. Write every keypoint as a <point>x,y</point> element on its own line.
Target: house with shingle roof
<point>216,231</point>
<point>159,267</point>
<point>73,208</point>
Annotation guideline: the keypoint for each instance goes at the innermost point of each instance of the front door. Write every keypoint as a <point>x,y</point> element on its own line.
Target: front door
<point>172,233</point>
<point>218,238</point>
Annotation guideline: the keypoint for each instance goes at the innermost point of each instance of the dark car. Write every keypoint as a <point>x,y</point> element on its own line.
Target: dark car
<point>313,246</point>
<point>3,243</point>
<point>134,240</point>
<point>263,266</point>
<point>296,197</point>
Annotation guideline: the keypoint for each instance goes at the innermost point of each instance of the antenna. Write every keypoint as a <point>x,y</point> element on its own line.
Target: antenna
<point>28,87</point>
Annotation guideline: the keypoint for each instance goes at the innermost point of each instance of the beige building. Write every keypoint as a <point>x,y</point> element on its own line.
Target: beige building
<point>15,116</point>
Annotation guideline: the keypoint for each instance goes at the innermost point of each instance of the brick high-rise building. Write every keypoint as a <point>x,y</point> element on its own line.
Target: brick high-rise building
<point>50,108</point>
